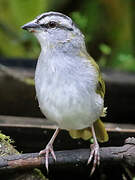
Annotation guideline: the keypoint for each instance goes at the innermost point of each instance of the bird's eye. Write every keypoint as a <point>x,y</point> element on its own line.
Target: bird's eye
<point>52,24</point>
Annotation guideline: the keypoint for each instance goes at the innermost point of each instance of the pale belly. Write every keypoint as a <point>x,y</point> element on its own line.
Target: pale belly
<point>69,107</point>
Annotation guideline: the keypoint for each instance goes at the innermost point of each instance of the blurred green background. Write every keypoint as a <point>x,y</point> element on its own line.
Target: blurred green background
<point>108,26</point>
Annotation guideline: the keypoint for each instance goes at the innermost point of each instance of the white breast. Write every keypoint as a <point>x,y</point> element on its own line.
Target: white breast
<point>65,90</point>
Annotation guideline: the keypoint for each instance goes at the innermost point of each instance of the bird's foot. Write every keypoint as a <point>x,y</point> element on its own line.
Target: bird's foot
<point>95,156</point>
<point>46,151</point>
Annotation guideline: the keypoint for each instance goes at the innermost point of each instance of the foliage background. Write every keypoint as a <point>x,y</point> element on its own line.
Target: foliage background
<point>108,27</point>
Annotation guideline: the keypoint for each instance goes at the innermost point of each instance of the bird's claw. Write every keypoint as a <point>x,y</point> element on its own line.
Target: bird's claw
<point>46,151</point>
<point>95,156</point>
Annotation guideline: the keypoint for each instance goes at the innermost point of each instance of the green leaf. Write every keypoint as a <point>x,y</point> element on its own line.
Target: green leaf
<point>105,49</point>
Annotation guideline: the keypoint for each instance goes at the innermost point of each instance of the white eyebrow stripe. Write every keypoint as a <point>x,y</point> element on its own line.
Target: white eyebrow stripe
<point>52,14</point>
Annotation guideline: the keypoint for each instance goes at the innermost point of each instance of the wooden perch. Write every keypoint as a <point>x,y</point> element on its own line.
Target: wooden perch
<point>71,159</point>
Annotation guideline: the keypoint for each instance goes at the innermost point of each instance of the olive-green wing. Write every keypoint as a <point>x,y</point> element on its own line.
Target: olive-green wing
<point>100,85</point>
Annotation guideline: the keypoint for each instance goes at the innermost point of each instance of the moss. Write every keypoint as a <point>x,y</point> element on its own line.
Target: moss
<point>6,147</point>
<point>4,138</point>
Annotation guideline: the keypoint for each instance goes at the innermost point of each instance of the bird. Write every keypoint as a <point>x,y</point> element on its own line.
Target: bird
<point>68,82</point>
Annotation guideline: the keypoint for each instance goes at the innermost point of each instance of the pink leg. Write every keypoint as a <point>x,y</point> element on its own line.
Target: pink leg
<point>49,149</point>
<point>94,152</point>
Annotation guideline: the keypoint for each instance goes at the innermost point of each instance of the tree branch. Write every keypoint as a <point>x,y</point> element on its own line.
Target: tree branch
<point>71,159</point>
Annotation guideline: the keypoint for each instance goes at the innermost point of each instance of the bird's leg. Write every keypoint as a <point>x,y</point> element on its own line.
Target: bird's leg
<point>94,152</point>
<point>49,148</point>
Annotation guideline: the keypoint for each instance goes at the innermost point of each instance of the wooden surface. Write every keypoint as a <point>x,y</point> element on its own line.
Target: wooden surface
<point>69,159</point>
<point>32,134</point>
<point>73,161</point>
<point>32,122</point>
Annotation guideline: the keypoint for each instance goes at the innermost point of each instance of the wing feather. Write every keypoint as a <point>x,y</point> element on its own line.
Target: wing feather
<point>99,127</point>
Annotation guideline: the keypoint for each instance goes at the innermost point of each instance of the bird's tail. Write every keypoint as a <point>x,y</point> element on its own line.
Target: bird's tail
<point>86,133</point>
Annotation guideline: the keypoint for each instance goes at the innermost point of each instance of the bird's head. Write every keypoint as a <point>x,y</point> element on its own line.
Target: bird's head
<point>54,28</point>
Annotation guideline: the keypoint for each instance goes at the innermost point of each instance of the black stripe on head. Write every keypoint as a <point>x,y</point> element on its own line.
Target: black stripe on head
<point>53,14</point>
<point>57,25</point>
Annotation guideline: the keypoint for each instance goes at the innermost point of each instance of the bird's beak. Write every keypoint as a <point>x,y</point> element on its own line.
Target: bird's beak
<point>31,26</point>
